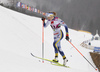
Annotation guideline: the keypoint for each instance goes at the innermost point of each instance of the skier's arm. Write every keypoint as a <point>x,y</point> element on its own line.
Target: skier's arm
<point>66,28</point>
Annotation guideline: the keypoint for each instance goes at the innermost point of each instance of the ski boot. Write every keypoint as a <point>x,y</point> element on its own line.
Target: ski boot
<point>65,60</point>
<point>56,59</point>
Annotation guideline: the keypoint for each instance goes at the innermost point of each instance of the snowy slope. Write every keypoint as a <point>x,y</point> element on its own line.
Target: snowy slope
<point>95,43</point>
<point>21,34</point>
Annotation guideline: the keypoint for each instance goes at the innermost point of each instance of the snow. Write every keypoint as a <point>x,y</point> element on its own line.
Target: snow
<point>21,34</point>
<point>95,43</point>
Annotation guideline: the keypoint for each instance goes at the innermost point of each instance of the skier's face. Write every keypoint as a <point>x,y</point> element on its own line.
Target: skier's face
<point>50,18</point>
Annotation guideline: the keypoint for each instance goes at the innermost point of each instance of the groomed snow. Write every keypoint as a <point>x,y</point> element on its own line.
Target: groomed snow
<point>21,34</point>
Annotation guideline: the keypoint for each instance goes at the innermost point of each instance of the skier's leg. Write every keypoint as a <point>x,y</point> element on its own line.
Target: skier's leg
<point>60,50</point>
<point>62,54</point>
<point>55,48</point>
<point>57,45</point>
<point>56,52</point>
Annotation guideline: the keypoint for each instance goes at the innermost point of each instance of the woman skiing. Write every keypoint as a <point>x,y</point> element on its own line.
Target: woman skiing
<point>56,24</point>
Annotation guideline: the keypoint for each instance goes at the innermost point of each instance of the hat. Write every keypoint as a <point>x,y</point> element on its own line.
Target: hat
<point>49,14</point>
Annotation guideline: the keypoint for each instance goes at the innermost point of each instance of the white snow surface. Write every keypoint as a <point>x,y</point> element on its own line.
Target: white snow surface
<point>21,34</point>
<point>95,43</point>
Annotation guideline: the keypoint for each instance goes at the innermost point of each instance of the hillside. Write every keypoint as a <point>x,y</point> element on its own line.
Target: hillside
<point>21,34</point>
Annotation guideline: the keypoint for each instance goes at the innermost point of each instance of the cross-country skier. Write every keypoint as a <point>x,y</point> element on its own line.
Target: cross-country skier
<point>56,24</point>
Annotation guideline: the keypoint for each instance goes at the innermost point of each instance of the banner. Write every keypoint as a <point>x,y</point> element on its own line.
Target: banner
<point>44,13</point>
<point>26,7</point>
<point>22,5</point>
<point>38,11</point>
<point>32,9</point>
<point>35,10</point>
<point>18,4</point>
<point>29,8</point>
<point>96,49</point>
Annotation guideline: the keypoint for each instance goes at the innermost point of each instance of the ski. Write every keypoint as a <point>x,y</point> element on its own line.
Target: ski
<point>51,61</point>
<point>61,65</point>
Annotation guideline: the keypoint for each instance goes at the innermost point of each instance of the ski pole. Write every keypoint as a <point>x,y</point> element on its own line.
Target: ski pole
<point>43,42</point>
<point>83,55</point>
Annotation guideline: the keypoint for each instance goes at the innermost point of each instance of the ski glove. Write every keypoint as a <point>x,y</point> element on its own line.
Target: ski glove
<point>67,36</point>
<point>43,19</point>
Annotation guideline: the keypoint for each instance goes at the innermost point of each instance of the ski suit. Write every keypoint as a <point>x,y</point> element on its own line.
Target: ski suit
<point>56,24</point>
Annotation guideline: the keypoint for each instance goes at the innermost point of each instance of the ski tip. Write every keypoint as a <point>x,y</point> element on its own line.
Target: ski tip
<point>31,54</point>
